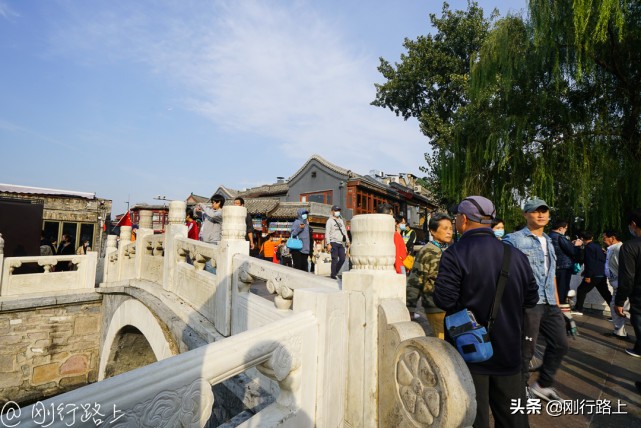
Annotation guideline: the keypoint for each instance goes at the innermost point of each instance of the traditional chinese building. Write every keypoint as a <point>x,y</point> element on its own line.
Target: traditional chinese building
<point>81,215</point>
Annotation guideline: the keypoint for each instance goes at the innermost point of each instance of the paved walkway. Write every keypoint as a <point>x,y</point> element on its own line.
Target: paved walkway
<point>597,368</point>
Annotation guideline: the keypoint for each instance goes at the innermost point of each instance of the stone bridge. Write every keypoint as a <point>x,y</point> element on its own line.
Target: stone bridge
<point>176,345</point>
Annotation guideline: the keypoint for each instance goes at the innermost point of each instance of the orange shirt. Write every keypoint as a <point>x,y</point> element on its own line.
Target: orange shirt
<point>269,247</point>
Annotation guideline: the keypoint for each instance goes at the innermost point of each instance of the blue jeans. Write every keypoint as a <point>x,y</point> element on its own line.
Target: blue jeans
<point>338,258</point>
<point>547,320</point>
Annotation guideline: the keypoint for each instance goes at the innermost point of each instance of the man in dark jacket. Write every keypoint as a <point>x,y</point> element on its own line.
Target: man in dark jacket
<point>630,280</point>
<point>593,274</point>
<point>467,279</point>
<point>566,255</point>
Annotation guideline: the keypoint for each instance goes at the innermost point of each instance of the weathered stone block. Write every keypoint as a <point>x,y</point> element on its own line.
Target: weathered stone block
<point>12,379</point>
<point>41,359</point>
<point>60,338</point>
<point>45,373</point>
<point>7,363</point>
<point>61,356</point>
<point>80,380</point>
<point>86,325</point>
<point>10,339</point>
<point>15,321</point>
<point>81,346</point>
<point>74,365</point>
<point>42,343</point>
<point>38,335</point>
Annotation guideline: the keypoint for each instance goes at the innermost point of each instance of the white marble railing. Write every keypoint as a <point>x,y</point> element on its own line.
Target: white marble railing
<point>342,356</point>
<point>152,251</point>
<point>178,391</point>
<point>81,276</point>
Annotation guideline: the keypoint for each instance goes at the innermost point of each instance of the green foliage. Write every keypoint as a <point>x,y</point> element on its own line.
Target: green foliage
<point>549,107</point>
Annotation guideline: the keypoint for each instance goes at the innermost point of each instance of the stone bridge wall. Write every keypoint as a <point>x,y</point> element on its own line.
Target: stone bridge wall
<point>48,345</point>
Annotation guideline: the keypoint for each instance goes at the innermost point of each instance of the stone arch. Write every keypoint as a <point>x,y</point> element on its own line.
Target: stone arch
<point>132,313</point>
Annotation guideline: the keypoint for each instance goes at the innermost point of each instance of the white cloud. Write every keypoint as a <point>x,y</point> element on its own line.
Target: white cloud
<point>278,70</point>
<point>6,11</point>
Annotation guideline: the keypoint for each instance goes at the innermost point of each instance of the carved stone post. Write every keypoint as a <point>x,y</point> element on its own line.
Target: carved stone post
<point>233,242</point>
<point>177,212</point>
<point>125,235</point>
<point>371,281</point>
<point>111,252</point>
<point>125,238</point>
<point>145,229</point>
<point>145,221</point>
<point>175,228</point>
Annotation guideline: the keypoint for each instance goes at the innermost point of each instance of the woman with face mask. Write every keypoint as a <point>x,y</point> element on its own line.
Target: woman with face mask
<point>498,227</point>
<point>300,229</point>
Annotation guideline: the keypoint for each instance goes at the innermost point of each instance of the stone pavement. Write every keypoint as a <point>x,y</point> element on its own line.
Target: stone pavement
<point>597,368</point>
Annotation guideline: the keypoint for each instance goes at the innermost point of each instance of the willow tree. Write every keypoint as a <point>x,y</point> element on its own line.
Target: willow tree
<point>431,82</point>
<point>547,107</point>
<point>587,128</point>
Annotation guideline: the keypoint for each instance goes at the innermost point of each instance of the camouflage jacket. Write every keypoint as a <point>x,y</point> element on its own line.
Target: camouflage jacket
<point>425,268</point>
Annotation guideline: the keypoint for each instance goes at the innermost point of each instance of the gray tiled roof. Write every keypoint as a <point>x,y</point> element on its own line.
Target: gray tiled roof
<point>265,190</point>
<point>232,193</point>
<point>197,198</point>
<point>15,188</point>
<point>260,205</point>
<point>289,210</point>
<point>327,164</point>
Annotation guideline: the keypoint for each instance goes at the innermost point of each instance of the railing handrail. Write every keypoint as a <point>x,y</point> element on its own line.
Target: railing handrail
<point>194,371</point>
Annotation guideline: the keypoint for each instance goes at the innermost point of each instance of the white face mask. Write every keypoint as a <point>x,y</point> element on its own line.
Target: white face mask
<point>337,213</point>
<point>631,231</point>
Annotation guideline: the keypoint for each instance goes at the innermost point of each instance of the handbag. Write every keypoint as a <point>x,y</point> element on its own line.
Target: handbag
<point>408,262</point>
<point>341,231</point>
<point>294,243</point>
<point>576,268</point>
<point>471,339</point>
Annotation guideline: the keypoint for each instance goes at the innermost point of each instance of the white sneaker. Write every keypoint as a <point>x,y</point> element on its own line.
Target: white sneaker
<point>573,312</point>
<point>547,394</point>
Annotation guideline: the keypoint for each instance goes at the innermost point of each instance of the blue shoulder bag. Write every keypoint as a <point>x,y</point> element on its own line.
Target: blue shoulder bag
<point>471,339</point>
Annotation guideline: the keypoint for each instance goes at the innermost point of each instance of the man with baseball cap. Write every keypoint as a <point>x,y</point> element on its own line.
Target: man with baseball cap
<point>546,317</point>
<point>467,278</point>
<point>336,239</point>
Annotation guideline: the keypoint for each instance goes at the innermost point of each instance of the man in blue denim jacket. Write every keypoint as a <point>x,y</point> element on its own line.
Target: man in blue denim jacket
<point>546,317</point>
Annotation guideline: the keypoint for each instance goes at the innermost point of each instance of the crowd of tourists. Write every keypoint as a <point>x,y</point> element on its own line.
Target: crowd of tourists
<point>492,295</point>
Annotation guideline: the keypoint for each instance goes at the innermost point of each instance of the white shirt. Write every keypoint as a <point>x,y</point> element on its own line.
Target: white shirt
<point>544,247</point>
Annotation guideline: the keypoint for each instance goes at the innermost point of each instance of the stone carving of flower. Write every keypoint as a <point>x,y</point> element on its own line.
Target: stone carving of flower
<point>417,387</point>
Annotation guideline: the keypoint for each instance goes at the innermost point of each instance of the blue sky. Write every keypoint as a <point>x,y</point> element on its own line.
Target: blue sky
<point>133,99</point>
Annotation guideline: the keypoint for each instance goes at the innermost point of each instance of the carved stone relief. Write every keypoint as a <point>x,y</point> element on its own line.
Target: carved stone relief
<point>418,386</point>
<point>187,406</point>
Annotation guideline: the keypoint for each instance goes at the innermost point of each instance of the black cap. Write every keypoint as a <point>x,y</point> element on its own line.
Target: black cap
<point>336,208</point>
